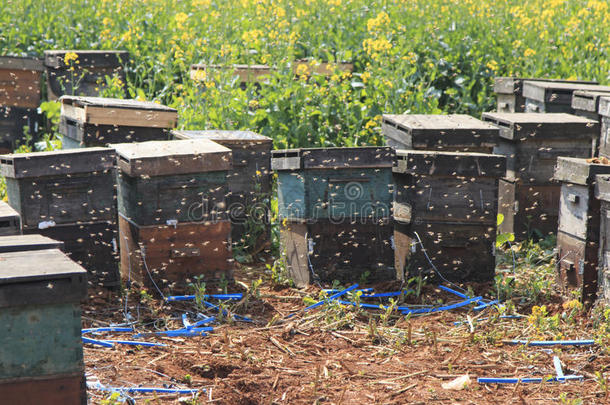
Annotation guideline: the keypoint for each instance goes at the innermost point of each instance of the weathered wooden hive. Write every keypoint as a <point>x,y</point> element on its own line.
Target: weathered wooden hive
<point>335,212</point>
<point>450,133</point>
<point>553,97</point>
<point>10,221</point>
<point>585,103</point>
<point>24,243</point>
<point>19,100</point>
<point>41,350</point>
<point>579,225</point>
<point>246,73</point>
<point>86,74</point>
<point>249,181</point>
<point>528,197</point>
<point>604,138</point>
<point>173,222</point>
<point>69,196</point>
<point>445,206</point>
<point>97,121</point>
<point>509,92</point>
<point>602,193</point>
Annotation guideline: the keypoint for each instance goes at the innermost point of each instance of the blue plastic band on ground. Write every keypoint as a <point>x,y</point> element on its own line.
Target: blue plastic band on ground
<point>106,329</point>
<point>96,342</point>
<point>587,342</point>
<point>493,380</point>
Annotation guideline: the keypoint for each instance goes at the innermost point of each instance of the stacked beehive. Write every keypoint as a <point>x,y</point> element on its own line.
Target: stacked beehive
<point>335,212</point>
<point>96,121</point>
<point>552,96</point>
<point>10,221</point>
<point>528,197</point>
<point>83,72</point>
<point>41,351</point>
<point>249,183</point>
<point>19,99</point>
<point>173,223</point>
<point>69,196</point>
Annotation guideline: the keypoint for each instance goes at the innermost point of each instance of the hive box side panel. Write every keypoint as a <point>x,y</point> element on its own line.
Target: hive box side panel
<point>291,194</point>
<point>51,390</point>
<point>294,247</point>
<point>27,334</point>
<point>577,262</point>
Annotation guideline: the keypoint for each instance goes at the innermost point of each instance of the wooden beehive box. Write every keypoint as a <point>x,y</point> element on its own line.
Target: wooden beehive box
<point>585,103</point>
<point>335,212</point>
<point>578,232</point>
<point>172,210</point>
<point>249,181</point>
<point>176,181</point>
<point>604,138</point>
<point>529,199</point>
<point>509,92</point>
<point>445,205</point>
<point>93,245</point>
<point>20,81</point>
<point>246,73</point>
<point>10,221</point>
<point>602,193</point>
<point>450,133</point>
<point>60,187</point>
<point>96,121</point>
<point>15,122</point>
<point>24,243</point>
<point>553,97</point>
<point>84,76</point>
<point>41,351</point>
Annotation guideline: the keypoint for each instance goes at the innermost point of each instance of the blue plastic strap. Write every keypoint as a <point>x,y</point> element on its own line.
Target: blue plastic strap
<point>235,296</point>
<point>96,342</point>
<point>332,297</point>
<point>443,308</point>
<point>493,380</point>
<point>107,329</point>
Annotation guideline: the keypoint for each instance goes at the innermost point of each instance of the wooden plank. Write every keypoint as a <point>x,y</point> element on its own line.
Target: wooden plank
<point>24,243</point>
<point>604,106</point>
<point>587,100</point>
<point>286,159</point>
<point>604,245</point>
<point>514,85</point>
<point>10,220</point>
<point>294,247</point>
<point>434,163</point>
<point>175,254</point>
<point>157,158</point>
<point>183,198</point>
<point>577,262</point>
<point>50,390</point>
<point>91,245</point>
<point>56,163</point>
<point>20,88</point>
<point>574,210</point>
<point>578,170</point>
<point>461,252</point>
<point>55,59</point>
<point>21,63</point>
<point>40,341</point>
<point>525,126</point>
<point>337,158</point>
<point>556,92</point>
<point>82,135</point>
<point>23,281</point>
<point>224,137</point>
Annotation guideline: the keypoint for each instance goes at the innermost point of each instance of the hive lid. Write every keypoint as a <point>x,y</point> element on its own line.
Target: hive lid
<point>114,111</point>
<point>604,106</point>
<point>21,63</point>
<point>556,92</point>
<point>22,243</point>
<point>587,100</point>
<point>332,158</point>
<point>7,212</point>
<point>522,126</point>
<point>57,162</point>
<point>40,277</point>
<point>161,158</point>
<point>433,163</point>
<point>224,137</point>
<point>427,130</point>
<point>55,59</point>
<point>578,170</point>
<point>514,85</point>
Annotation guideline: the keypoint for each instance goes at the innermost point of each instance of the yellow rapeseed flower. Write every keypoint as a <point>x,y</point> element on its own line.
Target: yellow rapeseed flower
<point>529,52</point>
<point>69,57</point>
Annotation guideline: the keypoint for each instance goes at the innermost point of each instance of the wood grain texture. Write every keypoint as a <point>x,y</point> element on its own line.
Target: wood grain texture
<point>13,120</point>
<point>50,390</point>
<point>604,251</point>
<point>550,93</point>
<point>159,158</point>
<point>20,88</point>
<point>175,254</point>
<point>10,220</point>
<point>461,252</point>
<point>91,245</point>
<point>577,262</point>
<point>78,135</point>
<point>514,85</point>
<point>24,281</point>
<point>339,251</point>
<point>24,243</point>
<point>526,126</point>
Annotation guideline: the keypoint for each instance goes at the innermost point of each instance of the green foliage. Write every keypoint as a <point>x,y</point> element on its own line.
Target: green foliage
<point>502,238</point>
<point>416,56</point>
<point>198,287</point>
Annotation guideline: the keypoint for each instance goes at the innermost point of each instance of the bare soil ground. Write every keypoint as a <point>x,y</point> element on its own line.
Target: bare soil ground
<point>336,355</point>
